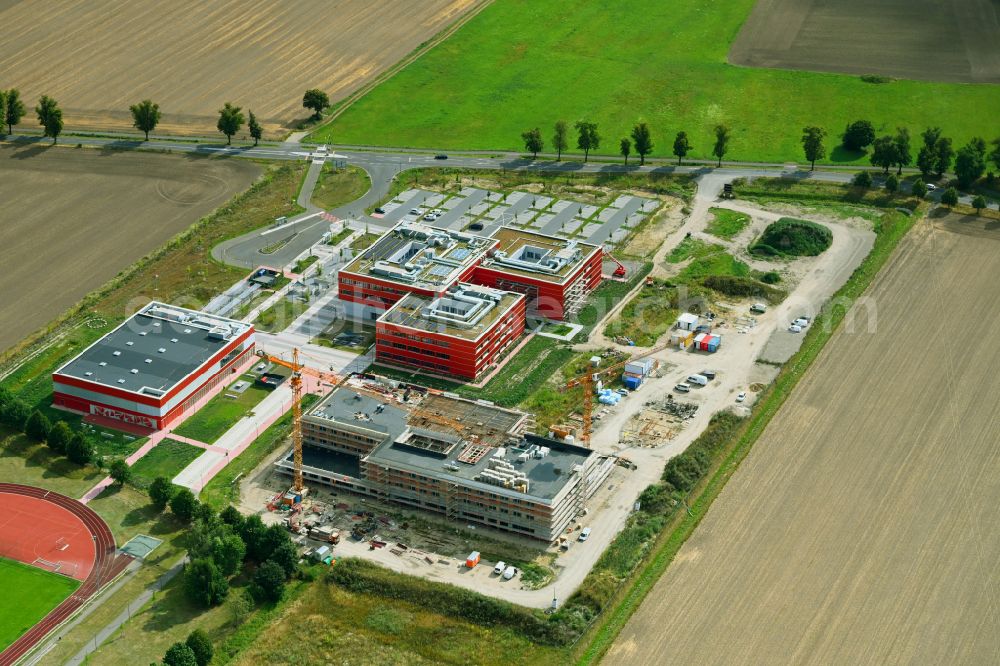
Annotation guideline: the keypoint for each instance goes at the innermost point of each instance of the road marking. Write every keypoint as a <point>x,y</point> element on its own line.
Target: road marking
<point>288,224</point>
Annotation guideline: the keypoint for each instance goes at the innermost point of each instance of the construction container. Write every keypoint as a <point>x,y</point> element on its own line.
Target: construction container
<point>714,342</point>
<point>698,339</point>
<point>321,552</point>
<point>595,361</point>
<point>687,321</point>
<point>472,560</point>
<point>631,382</point>
<point>640,368</point>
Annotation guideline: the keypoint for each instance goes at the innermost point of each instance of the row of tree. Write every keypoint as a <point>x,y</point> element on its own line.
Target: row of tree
<point>640,140</point>
<point>58,436</point>
<point>146,115</point>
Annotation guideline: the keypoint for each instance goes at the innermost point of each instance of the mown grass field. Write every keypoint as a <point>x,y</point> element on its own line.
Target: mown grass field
<point>29,594</point>
<point>166,459</point>
<point>337,187</point>
<point>221,412</point>
<point>521,64</point>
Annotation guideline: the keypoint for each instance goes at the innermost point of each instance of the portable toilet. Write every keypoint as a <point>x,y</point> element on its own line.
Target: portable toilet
<point>472,560</point>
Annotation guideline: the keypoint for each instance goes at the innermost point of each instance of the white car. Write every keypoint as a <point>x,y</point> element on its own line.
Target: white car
<point>415,211</point>
<point>585,534</point>
<point>741,396</point>
<point>930,187</point>
<point>438,211</point>
<point>801,321</point>
<point>509,572</point>
<point>498,569</point>
<point>795,328</point>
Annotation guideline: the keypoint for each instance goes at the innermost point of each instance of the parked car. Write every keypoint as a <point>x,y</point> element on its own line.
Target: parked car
<point>682,388</point>
<point>438,211</point>
<point>741,396</point>
<point>430,217</point>
<point>476,226</point>
<point>708,373</point>
<point>930,187</point>
<point>701,380</point>
<point>585,534</point>
<point>801,321</point>
<point>758,308</point>
<point>498,569</point>
<point>795,328</point>
<point>416,211</point>
<point>380,210</point>
<point>440,156</point>
<point>509,573</point>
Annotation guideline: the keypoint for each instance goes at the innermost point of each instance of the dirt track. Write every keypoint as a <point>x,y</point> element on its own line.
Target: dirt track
<point>72,218</point>
<point>98,57</point>
<point>931,40</point>
<point>862,528</point>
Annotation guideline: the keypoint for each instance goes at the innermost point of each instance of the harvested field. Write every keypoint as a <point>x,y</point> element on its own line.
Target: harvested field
<point>861,528</point>
<point>190,57</point>
<point>73,218</point>
<point>929,40</point>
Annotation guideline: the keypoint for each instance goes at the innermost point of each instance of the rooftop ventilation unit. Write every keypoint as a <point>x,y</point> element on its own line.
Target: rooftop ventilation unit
<point>121,381</point>
<point>134,371</point>
<point>102,363</point>
<point>143,333</point>
<point>162,350</point>
<point>116,353</point>
<point>148,360</point>
<point>173,339</point>
<point>129,343</point>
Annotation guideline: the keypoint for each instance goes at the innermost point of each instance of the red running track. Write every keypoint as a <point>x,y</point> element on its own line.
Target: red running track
<point>32,522</point>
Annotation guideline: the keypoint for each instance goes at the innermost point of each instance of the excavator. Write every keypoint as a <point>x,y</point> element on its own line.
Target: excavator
<point>298,369</point>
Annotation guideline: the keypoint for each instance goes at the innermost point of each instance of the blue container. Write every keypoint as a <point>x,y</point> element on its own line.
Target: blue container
<point>631,383</point>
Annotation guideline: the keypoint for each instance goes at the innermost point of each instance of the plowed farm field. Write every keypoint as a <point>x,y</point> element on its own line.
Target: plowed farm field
<point>862,527</point>
<point>96,57</point>
<point>72,218</point>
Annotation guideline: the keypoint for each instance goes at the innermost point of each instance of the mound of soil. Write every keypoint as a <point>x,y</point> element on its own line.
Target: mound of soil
<point>791,237</point>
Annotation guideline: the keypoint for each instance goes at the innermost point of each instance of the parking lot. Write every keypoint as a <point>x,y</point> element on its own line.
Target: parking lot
<point>483,212</point>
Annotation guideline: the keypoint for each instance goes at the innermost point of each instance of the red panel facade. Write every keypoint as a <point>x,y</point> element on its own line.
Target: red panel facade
<point>446,354</point>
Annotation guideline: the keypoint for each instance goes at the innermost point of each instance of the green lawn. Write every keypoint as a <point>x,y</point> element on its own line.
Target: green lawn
<point>221,412</point>
<point>692,247</point>
<point>521,64</point>
<point>279,316</point>
<point>30,594</point>
<point>166,459</point>
<point>337,187</point>
<point>726,223</point>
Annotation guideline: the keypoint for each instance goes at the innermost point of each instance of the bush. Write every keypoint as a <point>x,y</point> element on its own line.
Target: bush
<point>792,237</point>
<point>120,472</point>
<point>891,183</point>
<point>731,285</point>
<point>161,491</point>
<point>979,203</point>
<point>204,583</point>
<point>15,413</point>
<point>80,450</point>
<point>180,654</point>
<point>183,504</point>
<point>201,646</point>
<point>771,277</point>
<point>37,426</point>
<point>268,583</point>
<point>950,197</point>
<point>863,179</point>
<point>919,189</point>
<point>59,436</point>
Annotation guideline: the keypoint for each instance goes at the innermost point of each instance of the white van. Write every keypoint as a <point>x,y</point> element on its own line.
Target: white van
<point>700,380</point>
<point>585,534</point>
<point>498,569</point>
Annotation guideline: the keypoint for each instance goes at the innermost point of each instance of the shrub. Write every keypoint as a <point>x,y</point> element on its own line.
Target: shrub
<point>979,203</point>
<point>792,237</point>
<point>37,426</point>
<point>80,450</point>
<point>950,197</point>
<point>59,436</point>
<point>268,583</point>
<point>771,277</point>
<point>15,413</point>
<point>161,491</point>
<point>863,179</point>
<point>120,472</point>
<point>732,285</point>
<point>891,183</point>
<point>183,504</point>
<point>180,654</point>
<point>201,646</point>
<point>919,189</point>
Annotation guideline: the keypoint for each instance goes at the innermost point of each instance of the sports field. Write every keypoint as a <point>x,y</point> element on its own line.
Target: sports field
<point>521,64</point>
<point>96,57</point>
<point>28,595</point>
<point>862,526</point>
<point>73,218</point>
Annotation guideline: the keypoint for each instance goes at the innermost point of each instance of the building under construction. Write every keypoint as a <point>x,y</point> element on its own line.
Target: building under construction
<point>480,469</point>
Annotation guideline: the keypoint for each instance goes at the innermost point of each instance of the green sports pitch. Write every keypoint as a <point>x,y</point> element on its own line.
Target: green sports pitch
<point>521,64</point>
<point>29,595</point>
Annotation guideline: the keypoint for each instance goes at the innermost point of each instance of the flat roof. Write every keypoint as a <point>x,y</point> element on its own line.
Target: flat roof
<point>419,255</point>
<point>467,312</point>
<point>430,448</point>
<point>154,349</point>
<point>537,255</point>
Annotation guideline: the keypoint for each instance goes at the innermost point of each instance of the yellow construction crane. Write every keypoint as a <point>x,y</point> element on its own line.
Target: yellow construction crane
<point>587,380</point>
<point>298,369</point>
